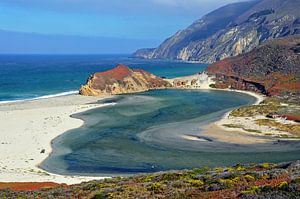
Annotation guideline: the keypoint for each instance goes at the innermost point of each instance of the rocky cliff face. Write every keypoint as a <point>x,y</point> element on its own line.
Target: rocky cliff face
<point>229,31</point>
<point>272,68</point>
<point>122,80</point>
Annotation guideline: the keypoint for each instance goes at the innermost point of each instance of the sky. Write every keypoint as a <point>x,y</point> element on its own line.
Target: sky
<point>137,23</point>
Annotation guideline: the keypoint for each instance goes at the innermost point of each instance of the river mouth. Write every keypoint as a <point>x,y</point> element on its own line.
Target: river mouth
<point>156,131</point>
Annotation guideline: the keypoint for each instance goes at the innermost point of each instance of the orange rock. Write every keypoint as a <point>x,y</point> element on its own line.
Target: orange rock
<point>122,80</point>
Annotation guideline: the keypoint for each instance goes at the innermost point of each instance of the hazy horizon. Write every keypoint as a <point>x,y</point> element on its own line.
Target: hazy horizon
<point>94,26</point>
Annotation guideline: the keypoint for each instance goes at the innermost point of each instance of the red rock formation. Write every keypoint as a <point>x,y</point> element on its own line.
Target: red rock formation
<point>122,80</point>
<point>273,68</point>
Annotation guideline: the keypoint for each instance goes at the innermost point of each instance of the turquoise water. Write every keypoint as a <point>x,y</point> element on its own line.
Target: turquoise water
<point>33,76</point>
<point>143,133</point>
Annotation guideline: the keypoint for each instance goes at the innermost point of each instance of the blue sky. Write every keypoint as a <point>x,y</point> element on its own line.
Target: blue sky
<point>150,21</point>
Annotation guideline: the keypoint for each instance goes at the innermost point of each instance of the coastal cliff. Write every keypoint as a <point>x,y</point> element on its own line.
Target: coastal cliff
<point>229,31</point>
<point>272,69</point>
<point>122,80</point>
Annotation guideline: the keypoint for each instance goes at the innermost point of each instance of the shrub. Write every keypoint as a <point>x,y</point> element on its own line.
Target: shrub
<point>219,169</point>
<point>265,165</point>
<point>196,183</point>
<point>212,86</point>
<point>240,168</point>
<point>227,182</point>
<point>283,186</point>
<point>149,177</point>
<point>170,176</point>
<point>199,171</point>
<point>249,178</point>
<point>297,180</point>
<point>99,196</point>
<point>155,187</point>
<point>252,190</point>
<point>232,126</point>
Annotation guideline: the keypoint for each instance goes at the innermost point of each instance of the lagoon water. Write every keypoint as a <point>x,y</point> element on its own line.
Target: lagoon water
<point>143,133</point>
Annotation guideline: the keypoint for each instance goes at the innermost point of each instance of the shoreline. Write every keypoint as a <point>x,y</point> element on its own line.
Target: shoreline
<point>218,131</point>
<point>20,169</point>
<point>66,93</point>
<point>49,118</point>
<point>225,118</point>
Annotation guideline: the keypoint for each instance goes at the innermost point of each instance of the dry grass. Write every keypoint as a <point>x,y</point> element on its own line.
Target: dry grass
<point>294,129</point>
<point>270,105</point>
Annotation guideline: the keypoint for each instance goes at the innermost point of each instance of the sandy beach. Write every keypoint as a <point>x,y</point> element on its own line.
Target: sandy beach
<point>26,131</point>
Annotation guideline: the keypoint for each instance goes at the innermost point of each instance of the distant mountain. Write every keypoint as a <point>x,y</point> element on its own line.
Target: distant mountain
<point>273,68</point>
<point>35,43</point>
<point>229,31</point>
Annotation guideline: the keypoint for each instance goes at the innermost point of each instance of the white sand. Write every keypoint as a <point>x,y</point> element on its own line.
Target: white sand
<point>28,127</point>
<point>193,138</point>
<point>249,122</point>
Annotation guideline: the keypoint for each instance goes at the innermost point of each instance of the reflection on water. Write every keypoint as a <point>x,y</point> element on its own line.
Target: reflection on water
<point>143,133</point>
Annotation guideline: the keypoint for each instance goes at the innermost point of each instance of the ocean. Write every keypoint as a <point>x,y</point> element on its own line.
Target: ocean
<point>24,77</point>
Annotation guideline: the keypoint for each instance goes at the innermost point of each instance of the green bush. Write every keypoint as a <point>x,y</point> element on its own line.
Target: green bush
<point>212,86</point>
<point>252,190</point>
<point>155,187</point>
<point>265,165</point>
<point>196,183</point>
<point>99,196</point>
<point>283,186</point>
<point>249,178</point>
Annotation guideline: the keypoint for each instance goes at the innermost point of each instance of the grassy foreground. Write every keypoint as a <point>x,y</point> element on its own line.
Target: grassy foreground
<point>252,181</point>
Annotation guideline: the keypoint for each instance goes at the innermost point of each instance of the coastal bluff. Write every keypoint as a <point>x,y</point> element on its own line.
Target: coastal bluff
<point>272,68</point>
<point>122,80</point>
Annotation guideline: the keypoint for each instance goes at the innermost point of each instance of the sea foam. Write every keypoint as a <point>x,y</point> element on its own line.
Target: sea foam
<point>41,97</point>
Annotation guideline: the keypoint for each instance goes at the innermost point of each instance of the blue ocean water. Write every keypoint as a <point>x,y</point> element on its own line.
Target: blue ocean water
<point>33,76</point>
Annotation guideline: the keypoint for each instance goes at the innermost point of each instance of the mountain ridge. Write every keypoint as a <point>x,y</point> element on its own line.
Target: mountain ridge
<point>229,31</point>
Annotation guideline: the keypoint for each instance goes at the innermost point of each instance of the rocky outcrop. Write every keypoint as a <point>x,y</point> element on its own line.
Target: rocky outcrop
<point>272,68</point>
<point>197,81</point>
<point>229,31</point>
<point>122,80</point>
<point>146,53</point>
